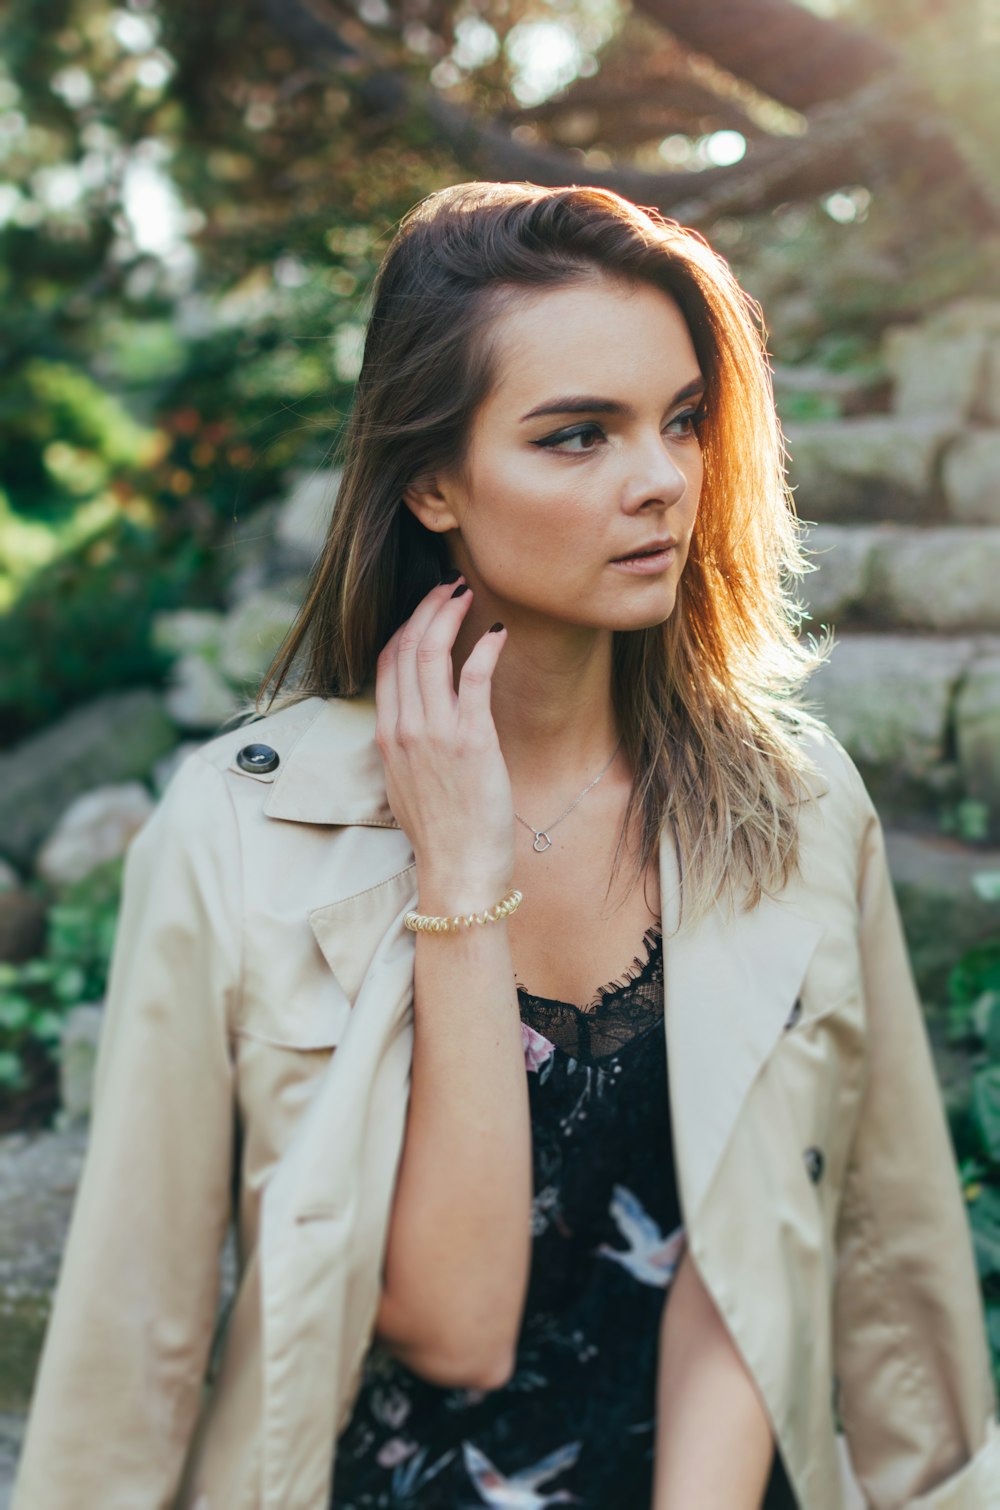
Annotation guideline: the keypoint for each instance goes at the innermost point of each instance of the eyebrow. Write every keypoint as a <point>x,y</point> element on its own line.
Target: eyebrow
<point>584,404</point>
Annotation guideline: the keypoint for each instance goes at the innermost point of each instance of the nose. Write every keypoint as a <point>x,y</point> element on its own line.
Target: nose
<point>653,473</point>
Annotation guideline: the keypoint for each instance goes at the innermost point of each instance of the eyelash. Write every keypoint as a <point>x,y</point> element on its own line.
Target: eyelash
<point>550,442</point>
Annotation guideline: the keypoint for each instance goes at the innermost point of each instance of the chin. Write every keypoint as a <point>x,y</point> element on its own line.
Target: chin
<point>653,608</point>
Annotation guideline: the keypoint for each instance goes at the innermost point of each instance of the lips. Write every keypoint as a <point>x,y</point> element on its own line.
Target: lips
<point>655,548</point>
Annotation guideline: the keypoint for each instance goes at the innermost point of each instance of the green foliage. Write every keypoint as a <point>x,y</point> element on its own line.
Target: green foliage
<point>83,627</point>
<point>968,817</point>
<point>61,433</point>
<point>150,397</point>
<point>35,996</point>
<point>974,1018</point>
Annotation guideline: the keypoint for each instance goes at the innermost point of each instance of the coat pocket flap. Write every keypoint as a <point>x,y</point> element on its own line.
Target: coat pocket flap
<point>350,930</point>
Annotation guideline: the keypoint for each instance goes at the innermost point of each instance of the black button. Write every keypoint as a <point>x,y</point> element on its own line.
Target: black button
<point>814,1163</point>
<point>257,758</point>
<point>794,1014</point>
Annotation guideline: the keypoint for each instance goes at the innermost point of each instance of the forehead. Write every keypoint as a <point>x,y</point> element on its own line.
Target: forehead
<point>601,335</point>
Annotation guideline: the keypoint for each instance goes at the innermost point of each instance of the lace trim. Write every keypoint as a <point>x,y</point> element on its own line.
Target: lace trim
<point>633,972</point>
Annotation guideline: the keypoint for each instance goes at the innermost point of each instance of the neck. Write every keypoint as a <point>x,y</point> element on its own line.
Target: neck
<point>552,707</point>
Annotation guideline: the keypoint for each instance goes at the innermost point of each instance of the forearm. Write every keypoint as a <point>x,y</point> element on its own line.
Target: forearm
<point>714,1443</point>
<point>459,1243</point>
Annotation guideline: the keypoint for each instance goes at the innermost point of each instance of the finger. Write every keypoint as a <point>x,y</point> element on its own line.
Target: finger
<point>412,714</point>
<point>434,665</point>
<point>475,681</point>
<point>386,670</point>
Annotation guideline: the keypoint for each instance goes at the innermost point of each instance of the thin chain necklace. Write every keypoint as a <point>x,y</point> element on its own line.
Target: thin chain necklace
<point>543,833</point>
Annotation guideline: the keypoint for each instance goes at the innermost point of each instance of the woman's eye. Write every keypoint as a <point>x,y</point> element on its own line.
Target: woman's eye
<point>564,436</point>
<point>688,424</point>
<point>689,421</point>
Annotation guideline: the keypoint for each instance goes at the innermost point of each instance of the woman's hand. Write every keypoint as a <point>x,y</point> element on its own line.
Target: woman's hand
<point>446,779</point>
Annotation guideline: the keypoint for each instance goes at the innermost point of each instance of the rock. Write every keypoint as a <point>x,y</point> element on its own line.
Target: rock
<point>12,1424</point>
<point>94,828</point>
<point>966,316</point>
<point>38,1178</point>
<point>977,734</point>
<point>198,696</point>
<point>248,555</point>
<point>936,371</point>
<point>305,518</point>
<point>9,877</point>
<point>116,738</point>
<point>184,630</point>
<point>253,632</point>
<point>938,864</point>
<point>943,915</point>
<point>882,466</point>
<point>936,578</point>
<point>887,698</point>
<point>81,1036</point>
<point>22,925</point>
<point>971,477</point>
<point>842,554</point>
<point>990,406</point>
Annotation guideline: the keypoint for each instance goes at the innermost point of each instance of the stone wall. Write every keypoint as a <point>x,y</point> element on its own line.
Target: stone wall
<point>903,514</point>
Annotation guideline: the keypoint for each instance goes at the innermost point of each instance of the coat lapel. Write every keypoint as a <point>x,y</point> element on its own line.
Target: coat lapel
<point>730,983</point>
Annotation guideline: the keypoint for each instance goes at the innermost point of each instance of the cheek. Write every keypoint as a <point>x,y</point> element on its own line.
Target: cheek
<point>694,471</point>
<point>518,496</point>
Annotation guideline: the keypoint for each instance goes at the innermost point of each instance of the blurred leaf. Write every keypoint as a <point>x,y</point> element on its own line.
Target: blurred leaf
<point>977,970</point>
<point>984,1217</point>
<point>986,884</point>
<point>47,1026</point>
<point>986,1108</point>
<point>36,972</point>
<point>11,1072</point>
<point>70,984</point>
<point>15,1011</point>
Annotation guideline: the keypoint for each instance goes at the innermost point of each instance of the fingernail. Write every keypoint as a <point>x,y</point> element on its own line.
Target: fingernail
<point>495,627</point>
<point>451,575</point>
<point>462,587</point>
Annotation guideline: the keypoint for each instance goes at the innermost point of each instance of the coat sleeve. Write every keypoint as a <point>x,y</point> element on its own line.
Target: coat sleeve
<point>916,1395</point>
<point>119,1382</point>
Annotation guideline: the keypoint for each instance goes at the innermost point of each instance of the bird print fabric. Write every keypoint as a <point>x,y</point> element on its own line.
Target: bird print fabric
<point>575,1423</point>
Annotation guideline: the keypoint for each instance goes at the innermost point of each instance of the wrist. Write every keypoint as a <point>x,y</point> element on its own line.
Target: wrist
<point>446,894</point>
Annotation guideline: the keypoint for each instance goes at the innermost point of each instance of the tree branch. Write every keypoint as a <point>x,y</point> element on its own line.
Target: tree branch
<point>786,51</point>
<point>886,127</point>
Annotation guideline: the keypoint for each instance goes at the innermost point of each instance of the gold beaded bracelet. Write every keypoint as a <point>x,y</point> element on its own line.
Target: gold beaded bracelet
<point>421,922</point>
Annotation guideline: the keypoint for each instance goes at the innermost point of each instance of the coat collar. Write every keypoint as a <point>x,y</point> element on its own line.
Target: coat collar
<point>303,791</point>
<point>730,980</point>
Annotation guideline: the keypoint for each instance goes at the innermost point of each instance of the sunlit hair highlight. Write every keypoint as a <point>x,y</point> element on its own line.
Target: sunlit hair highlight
<point>710,703</point>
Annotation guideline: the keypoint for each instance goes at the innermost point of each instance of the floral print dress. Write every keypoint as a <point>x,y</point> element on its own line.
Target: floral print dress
<point>575,1423</point>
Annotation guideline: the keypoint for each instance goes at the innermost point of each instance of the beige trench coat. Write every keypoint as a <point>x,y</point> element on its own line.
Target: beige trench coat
<point>257,1050</point>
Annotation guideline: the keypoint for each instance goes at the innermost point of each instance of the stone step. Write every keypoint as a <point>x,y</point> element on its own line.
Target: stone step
<point>895,466</point>
<point>941,578</point>
<point>920,714</point>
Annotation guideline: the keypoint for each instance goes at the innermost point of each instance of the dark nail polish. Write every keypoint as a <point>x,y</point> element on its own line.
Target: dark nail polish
<point>451,575</point>
<point>495,628</point>
<point>462,587</point>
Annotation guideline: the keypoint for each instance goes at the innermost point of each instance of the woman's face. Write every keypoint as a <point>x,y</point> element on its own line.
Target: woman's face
<point>549,501</point>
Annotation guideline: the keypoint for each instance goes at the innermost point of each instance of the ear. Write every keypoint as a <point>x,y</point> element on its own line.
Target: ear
<point>425,499</point>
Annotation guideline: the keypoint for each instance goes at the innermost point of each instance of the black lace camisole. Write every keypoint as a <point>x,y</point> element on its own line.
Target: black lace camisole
<point>576,1421</point>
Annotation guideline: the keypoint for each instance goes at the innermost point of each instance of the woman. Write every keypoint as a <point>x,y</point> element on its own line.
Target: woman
<point>508,1236</point>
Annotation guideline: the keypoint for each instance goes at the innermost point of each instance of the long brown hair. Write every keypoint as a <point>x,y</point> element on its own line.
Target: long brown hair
<point>710,701</point>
